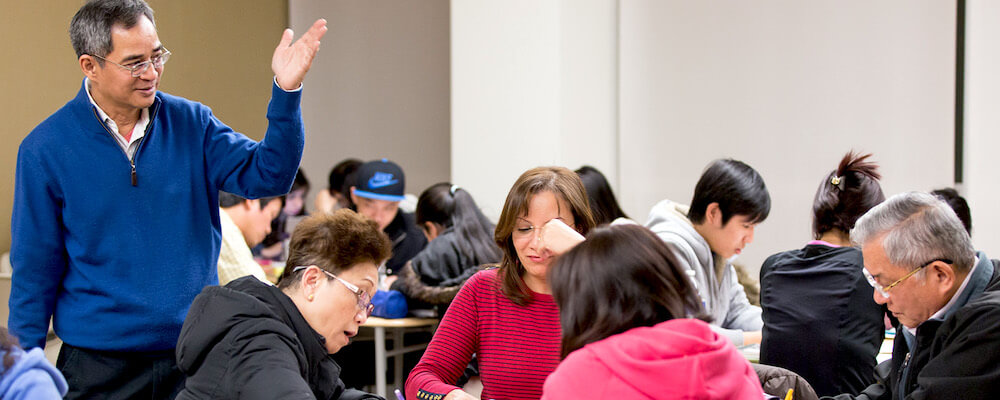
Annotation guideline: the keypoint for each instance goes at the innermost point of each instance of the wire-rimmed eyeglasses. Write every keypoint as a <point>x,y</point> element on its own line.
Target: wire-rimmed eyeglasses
<point>137,69</point>
<point>884,290</point>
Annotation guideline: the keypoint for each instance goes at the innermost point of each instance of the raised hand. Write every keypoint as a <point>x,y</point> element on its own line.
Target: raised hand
<point>291,61</point>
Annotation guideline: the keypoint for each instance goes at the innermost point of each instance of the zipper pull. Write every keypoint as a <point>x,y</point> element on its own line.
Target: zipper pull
<point>135,179</point>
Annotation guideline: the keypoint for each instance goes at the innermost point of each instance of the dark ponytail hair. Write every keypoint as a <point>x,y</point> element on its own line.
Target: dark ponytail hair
<point>846,193</point>
<point>452,207</point>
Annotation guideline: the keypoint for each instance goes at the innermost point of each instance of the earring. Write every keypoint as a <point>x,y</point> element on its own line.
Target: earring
<point>310,297</point>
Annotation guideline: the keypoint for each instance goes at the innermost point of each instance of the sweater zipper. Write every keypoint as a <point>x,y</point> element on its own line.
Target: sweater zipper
<point>131,161</point>
<point>904,385</point>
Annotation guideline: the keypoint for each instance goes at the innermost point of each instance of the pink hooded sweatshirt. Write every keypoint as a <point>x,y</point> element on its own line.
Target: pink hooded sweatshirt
<point>676,359</point>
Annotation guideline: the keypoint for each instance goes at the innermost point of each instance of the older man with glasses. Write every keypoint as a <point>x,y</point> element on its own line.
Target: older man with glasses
<point>920,260</point>
<point>115,225</point>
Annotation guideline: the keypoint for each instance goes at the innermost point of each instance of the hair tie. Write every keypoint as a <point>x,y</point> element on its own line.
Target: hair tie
<point>837,181</point>
<point>454,188</point>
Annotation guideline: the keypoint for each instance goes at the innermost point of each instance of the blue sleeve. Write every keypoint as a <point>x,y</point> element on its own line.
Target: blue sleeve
<point>37,254</point>
<point>239,165</point>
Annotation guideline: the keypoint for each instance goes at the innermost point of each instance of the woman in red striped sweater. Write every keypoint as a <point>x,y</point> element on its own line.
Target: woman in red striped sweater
<point>506,315</point>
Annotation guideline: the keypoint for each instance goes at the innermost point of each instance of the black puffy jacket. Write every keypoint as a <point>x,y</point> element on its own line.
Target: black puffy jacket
<point>247,340</point>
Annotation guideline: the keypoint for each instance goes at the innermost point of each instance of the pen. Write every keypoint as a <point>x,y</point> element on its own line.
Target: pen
<point>399,395</point>
<point>788,396</point>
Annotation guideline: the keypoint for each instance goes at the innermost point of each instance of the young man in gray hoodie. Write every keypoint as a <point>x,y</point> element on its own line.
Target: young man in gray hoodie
<point>729,200</point>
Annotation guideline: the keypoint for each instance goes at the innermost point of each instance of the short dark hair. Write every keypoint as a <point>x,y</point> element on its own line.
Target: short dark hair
<point>90,29</point>
<point>845,194</point>
<point>738,189</point>
<point>603,204</point>
<point>453,207</point>
<point>227,200</point>
<point>621,277</point>
<point>957,203</point>
<point>566,186</point>
<point>339,173</point>
<point>334,243</point>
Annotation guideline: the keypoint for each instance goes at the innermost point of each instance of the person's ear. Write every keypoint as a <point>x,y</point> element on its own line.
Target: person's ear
<point>942,274</point>
<point>354,197</point>
<point>310,280</point>
<point>713,214</point>
<point>89,66</point>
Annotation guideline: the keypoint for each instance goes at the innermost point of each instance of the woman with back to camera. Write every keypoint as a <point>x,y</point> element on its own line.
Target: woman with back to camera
<point>506,316</point>
<point>460,240</point>
<point>627,333</point>
<point>819,318</point>
<point>603,204</point>
<point>250,340</point>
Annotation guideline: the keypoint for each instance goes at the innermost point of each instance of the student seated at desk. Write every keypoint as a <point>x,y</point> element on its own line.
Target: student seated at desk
<point>729,201</point>
<point>819,317</point>
<point>625,303</point>
<point>506,316</point>
<point>460,241</point>
<point>250,340</point>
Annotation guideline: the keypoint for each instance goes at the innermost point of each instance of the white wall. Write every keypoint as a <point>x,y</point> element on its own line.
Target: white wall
<point>379,87</point>
<point>982,100</point>
<point>786,86</point>
<point>533,83</point>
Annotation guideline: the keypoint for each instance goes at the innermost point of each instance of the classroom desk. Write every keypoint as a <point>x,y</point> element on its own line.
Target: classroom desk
<point>397,328</point>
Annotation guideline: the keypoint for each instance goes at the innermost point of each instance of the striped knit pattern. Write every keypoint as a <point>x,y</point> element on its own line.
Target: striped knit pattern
<point>518,347</point>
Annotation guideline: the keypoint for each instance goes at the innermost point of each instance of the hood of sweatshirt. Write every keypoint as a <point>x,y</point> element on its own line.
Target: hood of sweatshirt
<point>677,358</point>
<point>31,376</point>
<point>669,219</point>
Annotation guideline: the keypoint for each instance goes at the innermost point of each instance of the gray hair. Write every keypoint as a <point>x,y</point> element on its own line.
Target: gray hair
<point>90,30</point>
<point>915,228</point>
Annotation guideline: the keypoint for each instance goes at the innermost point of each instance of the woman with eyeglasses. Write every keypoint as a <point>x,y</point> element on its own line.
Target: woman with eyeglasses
<point>250,340</point>
<point>819,318</point>
<point>633,328</point>
<point>506,316</point>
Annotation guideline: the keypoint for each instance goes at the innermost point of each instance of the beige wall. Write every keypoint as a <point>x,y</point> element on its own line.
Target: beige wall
<point>379,87</point>
<point>222,51</point>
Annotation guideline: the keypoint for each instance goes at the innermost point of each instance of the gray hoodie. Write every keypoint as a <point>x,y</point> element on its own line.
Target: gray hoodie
<point>720,291</point>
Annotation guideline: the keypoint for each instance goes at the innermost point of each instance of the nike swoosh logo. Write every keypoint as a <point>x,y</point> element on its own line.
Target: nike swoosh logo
<point>378,181</point>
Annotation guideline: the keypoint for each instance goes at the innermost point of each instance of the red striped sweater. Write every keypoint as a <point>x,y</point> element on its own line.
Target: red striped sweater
<point>518,347</point>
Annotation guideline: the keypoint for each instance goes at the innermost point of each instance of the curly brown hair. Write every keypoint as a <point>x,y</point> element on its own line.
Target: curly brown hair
<point>334,242</point>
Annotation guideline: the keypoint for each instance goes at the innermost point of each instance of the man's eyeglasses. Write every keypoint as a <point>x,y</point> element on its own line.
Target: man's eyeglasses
<point>139,68</point>
<point>884,290</point>
<point>364,300</point>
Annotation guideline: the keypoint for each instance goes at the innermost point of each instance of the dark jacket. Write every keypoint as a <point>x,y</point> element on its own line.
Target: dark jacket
<point>954,358</point>
<point>434,276</point>
<point>247,340</point>
<point>819,317</point>
<point>407,240</point>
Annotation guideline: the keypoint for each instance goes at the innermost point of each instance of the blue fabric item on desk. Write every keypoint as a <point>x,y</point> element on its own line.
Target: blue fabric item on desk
<point>389,304</point>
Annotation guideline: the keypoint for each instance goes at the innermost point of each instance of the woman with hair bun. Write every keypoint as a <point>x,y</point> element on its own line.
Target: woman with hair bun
<point>819,318</point>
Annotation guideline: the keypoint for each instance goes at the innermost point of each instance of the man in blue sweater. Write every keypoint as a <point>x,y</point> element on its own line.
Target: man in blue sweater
<point>115,227</point>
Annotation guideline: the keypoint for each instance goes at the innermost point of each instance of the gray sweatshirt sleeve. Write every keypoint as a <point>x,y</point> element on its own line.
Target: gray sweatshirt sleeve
<point>742,315</point>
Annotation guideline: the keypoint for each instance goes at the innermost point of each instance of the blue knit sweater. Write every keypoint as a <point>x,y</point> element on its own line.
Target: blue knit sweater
<point>116,254</point>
